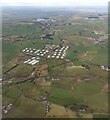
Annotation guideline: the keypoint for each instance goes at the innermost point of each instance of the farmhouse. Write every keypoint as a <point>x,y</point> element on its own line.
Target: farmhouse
<point>105,68</point>
<point>6,108</point>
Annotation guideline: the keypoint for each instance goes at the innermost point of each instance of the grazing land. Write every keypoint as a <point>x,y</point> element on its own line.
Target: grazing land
<point>55,64</point>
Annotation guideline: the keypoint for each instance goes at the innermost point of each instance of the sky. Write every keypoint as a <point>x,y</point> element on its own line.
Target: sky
<point>58,3</point>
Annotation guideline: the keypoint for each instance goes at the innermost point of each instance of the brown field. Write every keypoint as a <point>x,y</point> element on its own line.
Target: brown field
<point>43,67</point>
<point>106,88</point>
<point>44,73</point>
<point>60,112</point>
<point>45,83</point>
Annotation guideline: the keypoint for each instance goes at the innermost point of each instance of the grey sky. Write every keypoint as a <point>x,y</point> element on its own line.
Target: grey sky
<point>56,2</point>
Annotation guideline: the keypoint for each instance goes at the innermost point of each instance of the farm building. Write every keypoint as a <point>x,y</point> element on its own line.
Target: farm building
<point>49,51</point>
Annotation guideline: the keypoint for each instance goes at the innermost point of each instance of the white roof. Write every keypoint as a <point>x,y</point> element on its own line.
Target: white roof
<point>37,51</point>
<point>53,56</point>
<point>42,54</point>
<point>62,57</point>
<point>33,57</point>
<point>37,58</point>
<point>43,50</point>
<point>23,50</point>
<point>27,51</point>
<point>25,61</point>
<point>29,60</point>
<point>34,62</point>
<point>46,51</point>
<point>102,66</point>
<point>48,56</point>
<point>67,47</point>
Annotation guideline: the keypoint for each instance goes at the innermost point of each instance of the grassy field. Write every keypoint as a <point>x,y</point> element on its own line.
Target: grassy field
<point>63,97</point>
<point>24,106</point>
<point>68,71</point>
<point>22,70</point>
<point>66,83</point>
<point>58,111</point>
<point>96,102</point>
<point>88,87</point>
<point>81,93</point>
<point>9,52</point>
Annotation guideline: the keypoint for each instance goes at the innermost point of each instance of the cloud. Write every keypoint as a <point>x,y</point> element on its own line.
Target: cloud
<point>56,2</point>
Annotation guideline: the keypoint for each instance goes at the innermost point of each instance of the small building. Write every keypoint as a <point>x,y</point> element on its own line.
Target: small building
<point>102,67</point>
<point>46,51</point>
<point>43,50</point>
<point>34,62</point>
<point>31,61</point>
<point>56,50</point>
<point>24,50</point>
<point>62,57</point>
<point>38,54</point>
<point>57,57</point>
<point>53,56</point>
<point>33,57</point>
<point>25,61</point>
<point>42,55</point>
<point>31,51</point>
<point>48,56</point>
<point>27,51</point>
<point>38,58</point>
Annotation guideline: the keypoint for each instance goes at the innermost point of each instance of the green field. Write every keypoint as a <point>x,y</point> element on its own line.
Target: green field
<point>75,80</point>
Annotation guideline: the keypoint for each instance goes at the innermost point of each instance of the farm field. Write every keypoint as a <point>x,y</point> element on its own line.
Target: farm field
<point>55,64</point>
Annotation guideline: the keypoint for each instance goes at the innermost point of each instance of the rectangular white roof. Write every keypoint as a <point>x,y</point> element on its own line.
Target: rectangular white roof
<point>33,57</point>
